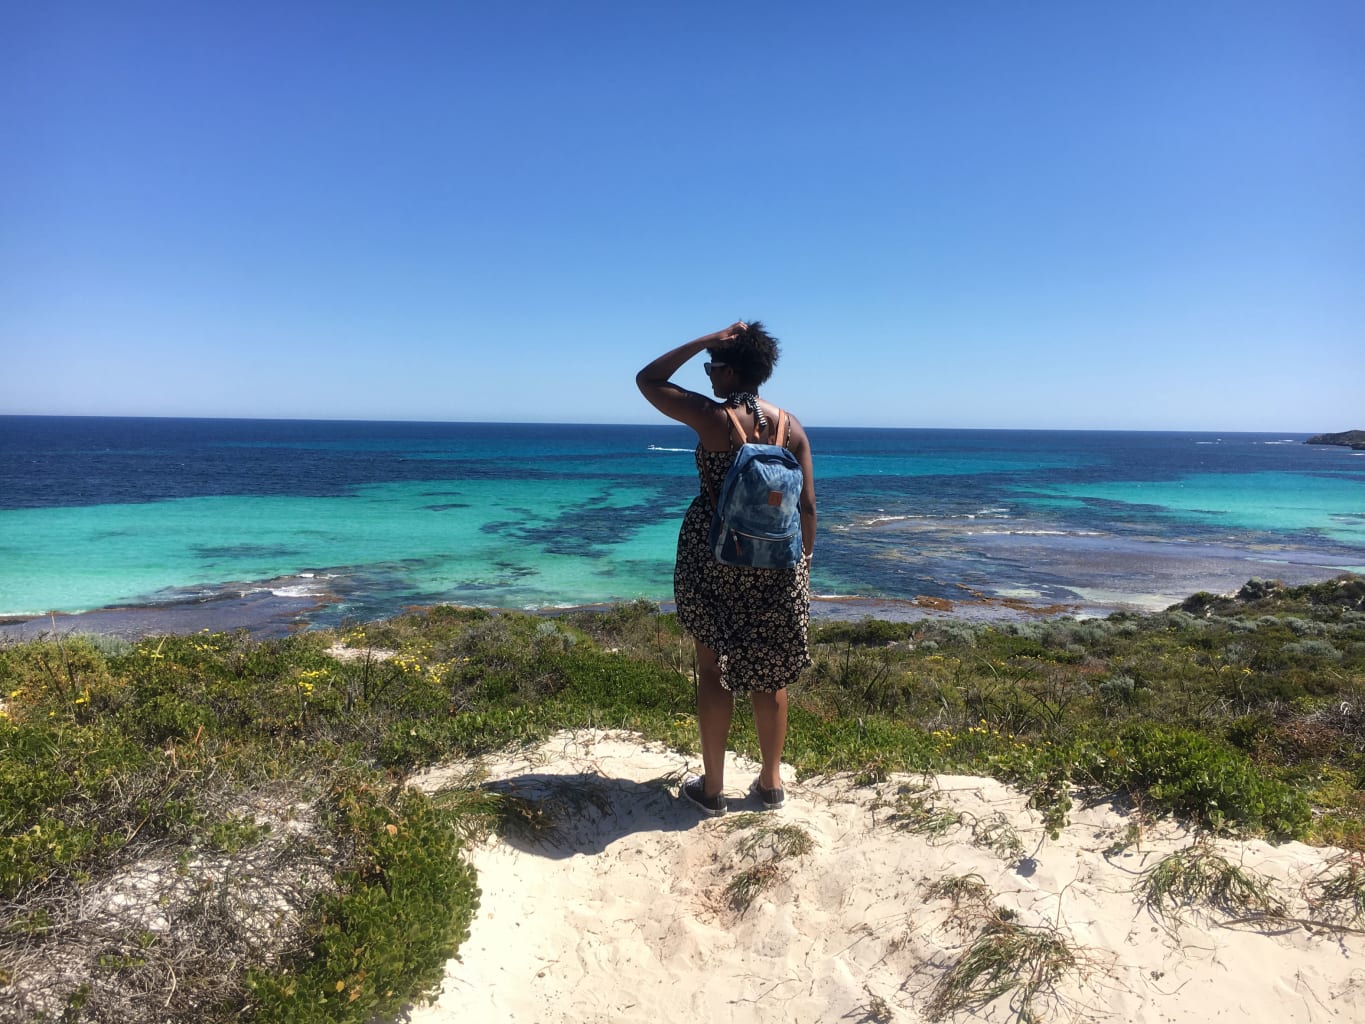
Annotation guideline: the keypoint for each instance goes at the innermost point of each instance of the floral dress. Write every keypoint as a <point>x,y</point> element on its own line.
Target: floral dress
<point>756,620</point>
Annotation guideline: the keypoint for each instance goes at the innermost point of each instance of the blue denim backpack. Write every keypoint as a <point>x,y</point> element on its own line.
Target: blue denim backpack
<point>757,521</point>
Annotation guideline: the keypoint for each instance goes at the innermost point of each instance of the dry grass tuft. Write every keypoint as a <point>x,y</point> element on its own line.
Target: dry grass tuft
<point>959,889</point>
<point>1006,957</point>
<point>483,810</point>
<point>1200,876</point>
<point>1337,897</point>
<point>768,845</point>
<point>995,833</point>
<point>745,887</point>
<point>917,814</point>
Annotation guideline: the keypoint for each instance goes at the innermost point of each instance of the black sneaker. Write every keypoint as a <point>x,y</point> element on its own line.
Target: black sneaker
<point>695,791</point>
<point>771,799</point>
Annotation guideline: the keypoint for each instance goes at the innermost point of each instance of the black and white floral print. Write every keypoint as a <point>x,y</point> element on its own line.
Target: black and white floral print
<point>756,620</point>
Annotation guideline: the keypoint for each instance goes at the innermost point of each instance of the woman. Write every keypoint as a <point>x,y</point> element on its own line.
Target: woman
<point>749,624</point>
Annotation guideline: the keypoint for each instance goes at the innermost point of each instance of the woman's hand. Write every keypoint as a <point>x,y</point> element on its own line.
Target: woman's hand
<point>732,333</point>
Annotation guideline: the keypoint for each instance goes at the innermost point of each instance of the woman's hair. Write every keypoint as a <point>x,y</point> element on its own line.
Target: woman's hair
<point>752,355</point>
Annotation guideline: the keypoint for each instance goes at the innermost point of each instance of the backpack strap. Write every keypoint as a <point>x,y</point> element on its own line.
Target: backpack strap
<point>737,428</point>
<point>780,438</point>
<point>779,435</point>
<point>736,431</point>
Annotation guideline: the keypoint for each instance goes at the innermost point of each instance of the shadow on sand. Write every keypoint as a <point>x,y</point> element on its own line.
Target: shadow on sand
<point>584,813</point>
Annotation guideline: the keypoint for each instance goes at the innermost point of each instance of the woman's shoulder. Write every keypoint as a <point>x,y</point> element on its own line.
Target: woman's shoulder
<point>796,434</point>
<point>773,409</point>
<point>713,426</point>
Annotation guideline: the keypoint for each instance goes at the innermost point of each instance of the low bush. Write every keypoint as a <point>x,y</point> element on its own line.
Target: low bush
<point>405,904</point>
<point>1188,774</point>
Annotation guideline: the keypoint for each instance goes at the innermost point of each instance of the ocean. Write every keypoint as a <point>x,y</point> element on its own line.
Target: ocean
<point>189,523</point>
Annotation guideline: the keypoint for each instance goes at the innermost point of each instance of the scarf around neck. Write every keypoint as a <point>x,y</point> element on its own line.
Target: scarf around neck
<point>750,402</point>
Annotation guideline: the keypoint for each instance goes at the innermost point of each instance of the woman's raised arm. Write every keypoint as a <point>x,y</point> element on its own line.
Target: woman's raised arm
<point>674,401</point>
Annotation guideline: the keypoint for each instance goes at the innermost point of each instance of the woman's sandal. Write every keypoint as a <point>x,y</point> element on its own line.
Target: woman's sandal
<point>695,791</point>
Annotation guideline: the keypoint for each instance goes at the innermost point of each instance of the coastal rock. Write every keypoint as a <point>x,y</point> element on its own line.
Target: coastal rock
<point>1347,438</point>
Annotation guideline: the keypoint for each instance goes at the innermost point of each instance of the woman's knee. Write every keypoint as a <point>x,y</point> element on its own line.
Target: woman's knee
<point>770,700</point>
<point>708,666</point>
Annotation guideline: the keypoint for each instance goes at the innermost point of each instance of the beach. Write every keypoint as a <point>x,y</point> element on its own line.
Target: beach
<point>627,911</point>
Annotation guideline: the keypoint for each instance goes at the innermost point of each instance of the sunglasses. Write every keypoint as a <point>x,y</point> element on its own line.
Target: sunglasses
<point>708,367</point>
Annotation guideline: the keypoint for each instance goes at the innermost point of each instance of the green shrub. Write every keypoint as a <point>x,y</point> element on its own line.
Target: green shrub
<point>50,673</point>
<point>1250,733</point>
<point>404,909</point>
<point>1313,650</point>
<point>858,680</point>
<point>64,798</point>
<point>621,686</point>
<point>1189,774</point>
<point>952,633</point>
<point>1121,689</point>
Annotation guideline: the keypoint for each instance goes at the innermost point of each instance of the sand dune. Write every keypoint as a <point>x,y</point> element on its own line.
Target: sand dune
<point>628,913</point>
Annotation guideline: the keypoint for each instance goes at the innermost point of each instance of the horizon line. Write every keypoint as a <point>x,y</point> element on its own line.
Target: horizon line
<point>570,423</point>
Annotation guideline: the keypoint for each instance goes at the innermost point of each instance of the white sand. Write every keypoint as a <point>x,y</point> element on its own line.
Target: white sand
<point>626,917</point>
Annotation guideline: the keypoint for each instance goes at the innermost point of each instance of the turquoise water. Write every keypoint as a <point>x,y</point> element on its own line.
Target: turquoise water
<point>368,518</point>
<point>1284,503</point>
<point>442,541</point>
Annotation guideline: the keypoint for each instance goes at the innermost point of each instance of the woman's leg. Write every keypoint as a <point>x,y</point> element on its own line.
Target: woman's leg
<point>770,721</point>
<point>715,706</point>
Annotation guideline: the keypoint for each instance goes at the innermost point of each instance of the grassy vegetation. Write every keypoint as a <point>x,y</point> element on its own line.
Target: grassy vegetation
<point>1337,895</point>
<point>1199,875</point>
<point>253,794</point>
<point>1006,957</point>
<point>766,845</point>
<point>958,889</point>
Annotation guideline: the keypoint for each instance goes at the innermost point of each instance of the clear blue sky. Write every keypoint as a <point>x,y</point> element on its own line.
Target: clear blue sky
<point>967,214</point>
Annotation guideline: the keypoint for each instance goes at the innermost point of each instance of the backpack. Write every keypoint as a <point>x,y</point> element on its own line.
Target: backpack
<point>757,521</point>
